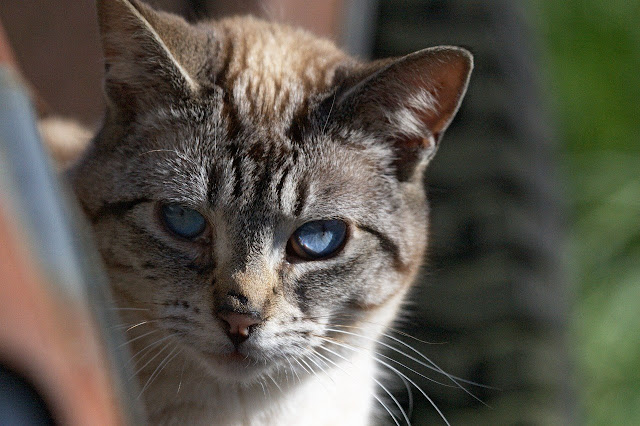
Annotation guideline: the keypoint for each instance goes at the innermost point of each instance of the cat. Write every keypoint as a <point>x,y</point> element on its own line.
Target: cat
<point>257,197</point>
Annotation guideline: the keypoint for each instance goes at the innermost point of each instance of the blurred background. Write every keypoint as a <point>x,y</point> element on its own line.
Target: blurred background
<point>532,282</point>
<point>590,60</point>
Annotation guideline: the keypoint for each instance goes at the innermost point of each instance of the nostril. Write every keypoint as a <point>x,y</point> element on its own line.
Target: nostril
<point>240,325</point>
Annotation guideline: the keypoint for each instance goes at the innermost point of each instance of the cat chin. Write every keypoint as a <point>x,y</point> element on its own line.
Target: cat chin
<point>237,369</point>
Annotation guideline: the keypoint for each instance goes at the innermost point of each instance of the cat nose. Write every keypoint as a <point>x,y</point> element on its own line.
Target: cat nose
<point>240,325</point>
<point>238,316</point>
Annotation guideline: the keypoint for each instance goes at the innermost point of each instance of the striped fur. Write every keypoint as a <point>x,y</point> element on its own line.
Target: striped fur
<point>261,128</point>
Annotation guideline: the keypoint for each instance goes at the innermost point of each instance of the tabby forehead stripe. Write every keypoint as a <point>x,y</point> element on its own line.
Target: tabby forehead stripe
<point>237,175</point>
<point>269,161</point>
<point>212,185</point>
<point>280,185</point>
<point>232,117</point>
<point>301,193</point>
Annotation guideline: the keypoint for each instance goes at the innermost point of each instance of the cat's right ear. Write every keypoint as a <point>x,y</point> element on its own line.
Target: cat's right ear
<point>150,57</point>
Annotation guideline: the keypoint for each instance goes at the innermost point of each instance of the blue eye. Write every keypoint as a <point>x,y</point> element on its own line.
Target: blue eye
<point>183,221</point>
<point>318,239</point>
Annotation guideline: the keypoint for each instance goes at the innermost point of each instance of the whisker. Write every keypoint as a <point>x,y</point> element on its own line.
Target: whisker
<point>264,392</point>
<point>386,345</point>
<point>451,377</point>
<point>404,381</point>
<point>293,370</point>
<point>395,330</point>
<point>137,325</point>
<point>409,393</point>
<point>433,366</point>
<point>159,368</point>
<point>400,374</point>
<point>352,316</point>
<point>136,338</point>
<point>286,373</point>
<point>387,409</point>
<point>157,150</point>
<point>181,373</point>
<point>321,369</point>
<point>322,382</point>
<point>302,366</point>
<point>275,383</point>
<point>433,404</point>
<point>405,334</point>
<point>149,361</point>
<point>333,101</point>
<point>336,342</point>
<point>149,347</point>
<point>348,316</point>
<point>393,398</point>
<point>436,368</point>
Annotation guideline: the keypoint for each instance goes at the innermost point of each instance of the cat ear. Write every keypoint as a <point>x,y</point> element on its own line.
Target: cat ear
<point>149,55</point>
<point>409,102</point>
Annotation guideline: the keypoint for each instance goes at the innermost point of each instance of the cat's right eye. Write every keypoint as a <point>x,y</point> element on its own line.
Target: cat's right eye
<point>183,221</point>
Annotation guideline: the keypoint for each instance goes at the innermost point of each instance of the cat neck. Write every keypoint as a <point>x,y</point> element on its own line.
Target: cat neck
<point>338,394</point>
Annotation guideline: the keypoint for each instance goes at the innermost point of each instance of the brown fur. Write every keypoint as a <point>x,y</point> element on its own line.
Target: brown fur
<point>260,129</point>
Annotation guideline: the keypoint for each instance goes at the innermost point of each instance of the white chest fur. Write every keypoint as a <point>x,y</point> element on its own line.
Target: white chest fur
<point>334,395</point>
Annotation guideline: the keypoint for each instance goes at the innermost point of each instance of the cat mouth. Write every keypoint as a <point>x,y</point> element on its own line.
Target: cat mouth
<point>235,361</point>
<point>235,366</point>
<point>234,357</point>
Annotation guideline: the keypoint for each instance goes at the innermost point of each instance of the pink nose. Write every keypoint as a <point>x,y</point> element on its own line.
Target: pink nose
<point>239,325</point>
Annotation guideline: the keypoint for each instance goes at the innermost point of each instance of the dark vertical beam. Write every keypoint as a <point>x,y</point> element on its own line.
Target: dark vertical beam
<point>494,288</point>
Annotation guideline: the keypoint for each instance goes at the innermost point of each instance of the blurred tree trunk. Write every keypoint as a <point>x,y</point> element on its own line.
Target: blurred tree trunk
<point>493,287</point>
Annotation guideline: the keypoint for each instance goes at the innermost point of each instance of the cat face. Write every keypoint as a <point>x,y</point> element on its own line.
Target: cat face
<point>253,189</point>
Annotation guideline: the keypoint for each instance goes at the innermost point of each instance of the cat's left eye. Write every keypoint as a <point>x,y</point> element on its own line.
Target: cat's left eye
<point>183,221</point>
<point>318,240</point>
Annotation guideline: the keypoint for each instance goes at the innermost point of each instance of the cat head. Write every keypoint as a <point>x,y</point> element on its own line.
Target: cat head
<point>254,190</point>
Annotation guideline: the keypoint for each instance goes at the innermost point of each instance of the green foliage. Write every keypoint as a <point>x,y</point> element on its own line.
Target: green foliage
<point>593,66</point>
<point>594,49</point>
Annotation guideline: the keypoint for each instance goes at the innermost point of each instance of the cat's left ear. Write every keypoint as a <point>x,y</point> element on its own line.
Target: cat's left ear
<point>408,102</point>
